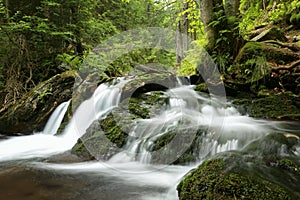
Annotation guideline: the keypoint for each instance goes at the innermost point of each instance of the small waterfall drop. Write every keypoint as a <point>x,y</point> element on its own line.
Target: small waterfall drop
<point>44,144</point>
<point>105,97</point>
<point>189,115</point>
<point>56,118</point>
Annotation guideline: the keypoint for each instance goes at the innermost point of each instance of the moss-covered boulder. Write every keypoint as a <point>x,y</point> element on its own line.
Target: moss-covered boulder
<point>268,168</point>
<point>216,179</point>
<point>255,59</point>
<point>279,106</point>
<point>106,137</point>
<point>32,111</point>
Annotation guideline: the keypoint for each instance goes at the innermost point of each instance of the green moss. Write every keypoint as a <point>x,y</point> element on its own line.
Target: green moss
<point>283,106</point>
<point>112,131</point>
<point>80,150</point>
<point>280,106</point>
<point>211,180</point>
<point>287,164</point>
<point>202,87</point>
<point>141,104</point>
<point>163,141</point>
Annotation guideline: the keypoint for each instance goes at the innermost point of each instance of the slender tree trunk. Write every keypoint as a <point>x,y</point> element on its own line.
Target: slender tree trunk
<point>7,9</point>
<point>185,26</point>
<point>232,14</point>
<point>182,33</point>
<point>179,51</point>
<point>208,8</point>
<point>232,7</point>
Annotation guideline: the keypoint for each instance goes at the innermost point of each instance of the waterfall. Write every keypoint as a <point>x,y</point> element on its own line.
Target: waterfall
<point>222,129</point>
<point>187,119</point>
<point>44,144</point>
<point>56,118</point>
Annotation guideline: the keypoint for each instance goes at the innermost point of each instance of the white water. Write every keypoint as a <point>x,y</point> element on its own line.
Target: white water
<point>44,144</point>
<point>225,129</point>
<point>56,118</point>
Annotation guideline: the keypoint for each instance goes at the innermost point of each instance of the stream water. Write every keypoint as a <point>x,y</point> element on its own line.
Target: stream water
<point>26,172</point>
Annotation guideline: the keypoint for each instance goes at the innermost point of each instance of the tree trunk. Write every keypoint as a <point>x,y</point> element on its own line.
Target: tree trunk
<point>232,7</point>
<point>207,8</point>
<point>220,21</point>
<point>232,13</point>
<point>179,51</point>
<point>185,26</point>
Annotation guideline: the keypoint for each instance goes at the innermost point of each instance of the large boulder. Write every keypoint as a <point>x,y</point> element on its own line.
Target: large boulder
<point>106,137</point>
<point>266,169</point>
<point>32,111</point>
<point>271,53</point>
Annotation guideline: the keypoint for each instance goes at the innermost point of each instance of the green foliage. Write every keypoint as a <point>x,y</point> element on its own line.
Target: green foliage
<point>192,59</point>
<point>284,9</point>
<point>256,13</point>
<point>192,13</point>
<point>253,16</point>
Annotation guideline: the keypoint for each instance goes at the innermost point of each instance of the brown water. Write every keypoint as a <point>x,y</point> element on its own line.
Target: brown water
<point>18,181</point>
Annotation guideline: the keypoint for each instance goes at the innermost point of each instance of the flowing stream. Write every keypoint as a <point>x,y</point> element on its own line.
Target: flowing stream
<point>135,173</point>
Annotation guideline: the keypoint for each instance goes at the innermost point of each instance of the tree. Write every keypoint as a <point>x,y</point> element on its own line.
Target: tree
<point>220,19</point>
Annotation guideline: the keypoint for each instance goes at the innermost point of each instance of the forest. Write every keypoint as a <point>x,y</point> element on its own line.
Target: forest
<point>245,51</point>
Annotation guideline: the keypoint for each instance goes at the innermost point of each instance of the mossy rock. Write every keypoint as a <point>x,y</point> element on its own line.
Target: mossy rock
<point>178,144</point>
<point>270,52</point>
<point>237,177</point>
<point>279,106</point>
<point>145,104</point>
<point>273,144</point>
<point>202,87</point>
<point>211,180</point>
<point>32,111</point>
<point>104,138</point>
<point>267,168</point>
<point>147,83</point>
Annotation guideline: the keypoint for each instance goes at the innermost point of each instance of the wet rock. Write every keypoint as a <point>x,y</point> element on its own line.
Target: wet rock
<point>32,111</point>
<point>266,169</point>
<point>103,139</point>
<point>107,137</point>
<point>280,106</point>
<point>149,82</point>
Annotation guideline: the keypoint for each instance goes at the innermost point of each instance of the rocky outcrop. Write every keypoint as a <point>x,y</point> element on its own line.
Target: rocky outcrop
<point>266,169</point>
<point>106,137</point>
<point>32,111</point>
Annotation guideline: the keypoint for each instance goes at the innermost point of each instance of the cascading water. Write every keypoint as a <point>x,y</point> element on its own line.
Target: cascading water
<point>56,118</point>
<point>199,118</point>
<point>44,144</point>
<point>223,129</point>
